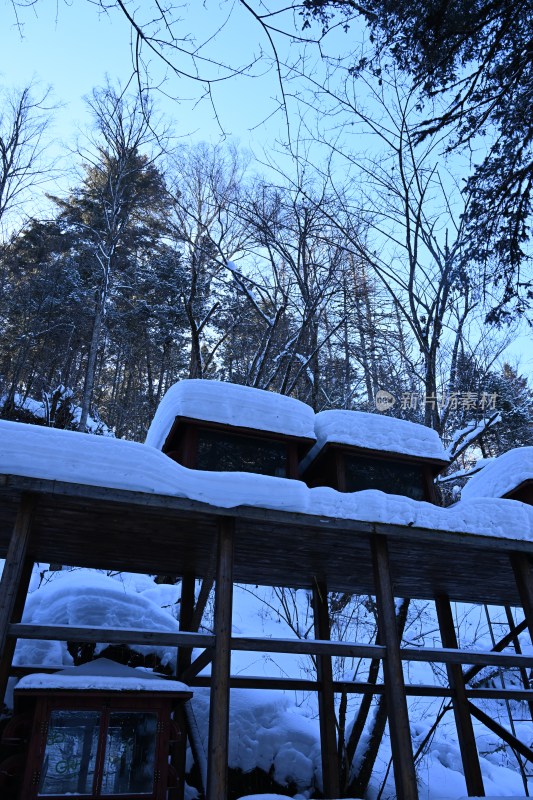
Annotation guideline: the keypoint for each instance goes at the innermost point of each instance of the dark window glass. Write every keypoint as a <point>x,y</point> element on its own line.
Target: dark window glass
<point>366,473</point>
<point>129,762</point>
<point>70,753</point>
<point>226,452</point>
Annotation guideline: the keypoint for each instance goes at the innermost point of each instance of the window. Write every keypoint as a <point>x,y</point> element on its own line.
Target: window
<point>392,478</point>
<point>99,753</point>
<point>70,753</point>
<point>228,452</point>
<point>129,762</point>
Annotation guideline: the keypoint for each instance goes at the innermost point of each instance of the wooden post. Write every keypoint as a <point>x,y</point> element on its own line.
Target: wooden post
<point>217,768</point>
<point>326,698</point>
<point>186,612</point>
<point>461,708</point>
<point>516,644</point>
<point>14,585</point>
<point>524,583</point>
<point>400,733</point>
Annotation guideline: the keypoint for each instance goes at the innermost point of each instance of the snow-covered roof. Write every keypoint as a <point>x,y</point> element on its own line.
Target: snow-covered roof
<point>375,432</point>
<point>68,456</point>
<point>501,475</point>
<point>101,675</point>
<point>230,404</point>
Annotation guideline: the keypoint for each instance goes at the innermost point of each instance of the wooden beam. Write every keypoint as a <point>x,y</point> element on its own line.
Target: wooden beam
<point>461,707</point>
<point>197,665</point>
<point>502,732</point>
<point>244,643</point>
<point>326,698</point>
<point>513,631</point>
<point>305,685</point>
<point>217,768</point>
<point>186,612</point>
<point>504,642</point>
<point>14,585</point>
<point>448,655</point>
<point>67,633</point>
<point>400,733</point>
<point>354,687</point>
<point>521,564</point>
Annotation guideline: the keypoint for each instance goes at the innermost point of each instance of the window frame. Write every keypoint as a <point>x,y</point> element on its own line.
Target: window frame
<point>105,704</point>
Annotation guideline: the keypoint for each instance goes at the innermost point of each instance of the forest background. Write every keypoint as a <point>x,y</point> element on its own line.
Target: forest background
<point>371,235</point>
<point>337,262</point>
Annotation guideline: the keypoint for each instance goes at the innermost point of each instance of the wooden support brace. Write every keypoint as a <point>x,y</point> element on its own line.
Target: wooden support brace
<point>461,706</point>
<point>400,733</point>
<point>197,665</point>
<point>205,590</point>
<point>502,732</point>
<point>14,585</point>
<point>326,697</point>
<point>471,673</point>
<point>217,769</point>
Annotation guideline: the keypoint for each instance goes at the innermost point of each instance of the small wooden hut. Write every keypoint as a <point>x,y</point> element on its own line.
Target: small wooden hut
<point>98,730</point>
<point>357,451</point>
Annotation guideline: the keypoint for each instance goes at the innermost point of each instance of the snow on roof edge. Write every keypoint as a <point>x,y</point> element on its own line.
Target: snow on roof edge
<point>377,433</point>
<point>73,457</point>
<point>501,475</point>
<point>230,404</point>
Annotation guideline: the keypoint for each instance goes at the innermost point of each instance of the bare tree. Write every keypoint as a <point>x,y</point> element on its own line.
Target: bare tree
<point>25,117</point>
<point>204,185</point>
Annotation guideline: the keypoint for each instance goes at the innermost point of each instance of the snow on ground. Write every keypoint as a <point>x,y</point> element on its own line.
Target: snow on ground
<point>269,731</point>
<point>374,432</point>
<point>38,409</point>
<point>99,461</point>
<point>501,475</point>
<point>102,674</point>
<point>83,597</point>
<point>230,404</point>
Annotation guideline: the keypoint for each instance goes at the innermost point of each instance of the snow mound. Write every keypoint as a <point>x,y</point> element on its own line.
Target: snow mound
<point>267,731</point>
<point>104,675</point>
<point>375,432</point>
<point>230,404</point>
<point>501,475</point>
<point>83,597</point>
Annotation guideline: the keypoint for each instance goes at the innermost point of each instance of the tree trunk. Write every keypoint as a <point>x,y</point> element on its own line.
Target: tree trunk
<point>90,372</point>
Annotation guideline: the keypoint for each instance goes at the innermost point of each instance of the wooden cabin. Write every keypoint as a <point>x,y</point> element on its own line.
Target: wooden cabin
<point>222,427</point>
<point>357,451</point>
<point>97,730</point>
<point>509,477</point>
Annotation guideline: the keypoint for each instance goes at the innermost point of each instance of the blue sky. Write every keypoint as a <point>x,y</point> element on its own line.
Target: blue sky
<point>72,47</point>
